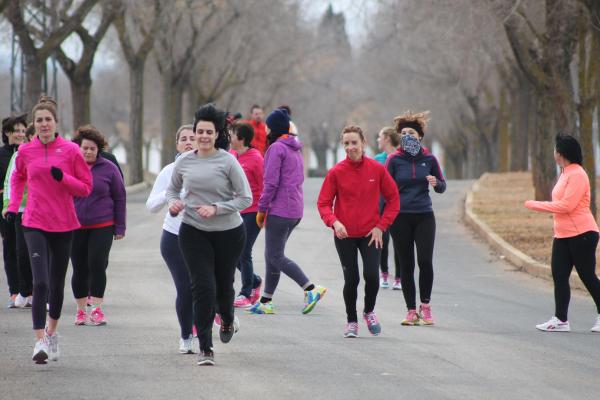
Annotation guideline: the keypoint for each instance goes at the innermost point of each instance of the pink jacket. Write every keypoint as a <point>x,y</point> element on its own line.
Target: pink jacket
<point>252,164</point>
<point>50,205</point>
<point>570,204</point>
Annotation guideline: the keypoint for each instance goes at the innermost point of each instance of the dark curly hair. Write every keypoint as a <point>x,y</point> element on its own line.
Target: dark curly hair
<point>8,125</point>
<point>210,113</point>
<point>90,132</point>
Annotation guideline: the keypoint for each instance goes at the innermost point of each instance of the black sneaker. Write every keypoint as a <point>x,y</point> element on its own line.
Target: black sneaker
<point>206,357</point>
<point>226,332</point>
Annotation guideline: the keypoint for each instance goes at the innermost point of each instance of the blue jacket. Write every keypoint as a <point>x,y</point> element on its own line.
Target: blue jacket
<point>410,173</point>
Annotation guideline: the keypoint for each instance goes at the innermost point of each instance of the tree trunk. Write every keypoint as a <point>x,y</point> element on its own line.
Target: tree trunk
<point>136,123</point>
<point>34,72</point>
<point>521,131</point>
<point>503,134</point>
<point>586,120</point>
<point>80,94</point>
<point>172,99</point>
<point>544,171</point>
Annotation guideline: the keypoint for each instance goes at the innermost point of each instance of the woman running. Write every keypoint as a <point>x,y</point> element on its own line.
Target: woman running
<point>169,242</point>
<point>575,233</point>
<point>212,234</point>
<point>414,169</point>
<point>102,219</point>
<point>282,199</point>
<point>252,163</point>
<point>55,172</point>
<point>388,141</point>
<point>349,203</point>
<point>24,298</point>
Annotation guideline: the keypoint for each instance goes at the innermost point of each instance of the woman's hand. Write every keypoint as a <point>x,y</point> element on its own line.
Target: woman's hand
<point>206,211</point>
<point>175,208</point>
<point>260,219</point>
<point>432,180</point>
<point>340,230</point>
<point>119,237</point>
<point>377,237</point>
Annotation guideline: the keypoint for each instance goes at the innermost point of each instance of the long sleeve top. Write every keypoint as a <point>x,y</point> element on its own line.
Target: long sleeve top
<point>7,191</point>
<point>351,193</point>
<point>252,163</point>
<point>570,203</point>
<point>158,199</point>
<point>216,180</point>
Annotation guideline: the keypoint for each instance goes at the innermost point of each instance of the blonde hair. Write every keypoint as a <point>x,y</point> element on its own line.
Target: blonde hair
<point>390,133</point>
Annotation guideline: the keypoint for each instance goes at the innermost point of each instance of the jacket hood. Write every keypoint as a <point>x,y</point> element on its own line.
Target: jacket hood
<point>292,142</point>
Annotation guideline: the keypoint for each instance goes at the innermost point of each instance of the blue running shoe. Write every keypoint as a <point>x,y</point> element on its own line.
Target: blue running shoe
<point>312,297</point>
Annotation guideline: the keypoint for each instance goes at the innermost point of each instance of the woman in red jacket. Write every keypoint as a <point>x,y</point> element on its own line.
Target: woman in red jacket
<point>349,203</point>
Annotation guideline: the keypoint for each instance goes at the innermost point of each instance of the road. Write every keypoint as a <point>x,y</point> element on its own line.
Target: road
<point>484,345</point>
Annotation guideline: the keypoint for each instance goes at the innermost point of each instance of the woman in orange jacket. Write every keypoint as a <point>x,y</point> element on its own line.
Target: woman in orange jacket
<point>575,232</point>
<point>349,203</point>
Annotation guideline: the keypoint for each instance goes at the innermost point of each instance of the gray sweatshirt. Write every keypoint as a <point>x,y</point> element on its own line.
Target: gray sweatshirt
<point>217,180</point>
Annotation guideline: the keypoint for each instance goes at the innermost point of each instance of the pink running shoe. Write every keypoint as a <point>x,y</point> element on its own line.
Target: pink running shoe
<point>218,319</point>
<point>96,317</point>
<point>255,294</point>
<point>425,314</point>
<point>242,302</point>
<point>412,318</point>
<point>81,317</point>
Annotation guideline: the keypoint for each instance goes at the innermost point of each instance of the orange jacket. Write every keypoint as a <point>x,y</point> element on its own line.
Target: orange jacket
<point>570,203</point>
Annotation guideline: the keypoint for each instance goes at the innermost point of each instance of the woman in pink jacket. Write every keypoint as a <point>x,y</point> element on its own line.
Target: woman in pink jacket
<point>55,172</point>
<point>575,232</point>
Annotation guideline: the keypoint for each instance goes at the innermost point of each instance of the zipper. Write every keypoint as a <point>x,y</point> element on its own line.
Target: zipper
<point>414,170</point>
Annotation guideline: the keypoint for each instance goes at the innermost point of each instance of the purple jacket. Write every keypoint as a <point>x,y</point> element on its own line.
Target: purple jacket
<point>283,177</point>
<point>107,200</point>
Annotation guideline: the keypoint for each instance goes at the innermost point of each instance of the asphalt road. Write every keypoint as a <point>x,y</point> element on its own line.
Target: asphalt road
<point>484,345</point>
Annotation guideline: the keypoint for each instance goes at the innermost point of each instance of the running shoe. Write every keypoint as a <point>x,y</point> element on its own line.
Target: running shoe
<point>11,301</point>
<point>242,302</point>
<point>351,330</point>
<point>397,284</point>
<point>412,318</point>
<point>372,323</point>
<point>185,345</point>
<point>554,325</point>
<point>81,317</point>
<point>262,308</point>
<point>255,294</point>
<point>383,283</point>
<point>194,331</point>
<point>53,346</point>
<point>206,357</point>
<point>217,320</point>
<point>596,327</point>
<point>40,351</point>
<point>226,332</point>
<point>312,297</point>
<point>20,301</point>
<point>425,314</point>
<point>96,317</point>
<point>29,302</point>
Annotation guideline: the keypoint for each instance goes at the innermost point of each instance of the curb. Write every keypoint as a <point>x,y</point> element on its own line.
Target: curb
<point>522,261</point>
<point>136,188</point>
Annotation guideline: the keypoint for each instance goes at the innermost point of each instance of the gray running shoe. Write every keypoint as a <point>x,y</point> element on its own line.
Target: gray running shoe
<point>53,349</point>
<point>206,357</point>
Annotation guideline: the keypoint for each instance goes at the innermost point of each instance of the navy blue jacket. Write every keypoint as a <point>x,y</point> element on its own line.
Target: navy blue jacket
<point>410,173</point>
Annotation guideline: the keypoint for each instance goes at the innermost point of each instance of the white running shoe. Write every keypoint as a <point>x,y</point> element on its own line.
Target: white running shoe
<point>185,345</point>
<point>54,352</point>
<point>20,301</point>
<point>596,327</point>
<point>40,351</point>
<point>554,325</point>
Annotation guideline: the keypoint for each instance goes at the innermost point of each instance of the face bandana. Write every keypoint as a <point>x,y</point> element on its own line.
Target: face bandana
<point>410,144</point>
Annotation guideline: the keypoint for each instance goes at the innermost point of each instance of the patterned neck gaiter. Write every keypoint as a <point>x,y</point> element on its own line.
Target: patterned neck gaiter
<point>410,144</point>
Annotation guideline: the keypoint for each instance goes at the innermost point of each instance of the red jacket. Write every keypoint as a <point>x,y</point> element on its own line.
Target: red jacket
<point>260,135</point>
<point>252,163</point>
<point>351,193</point>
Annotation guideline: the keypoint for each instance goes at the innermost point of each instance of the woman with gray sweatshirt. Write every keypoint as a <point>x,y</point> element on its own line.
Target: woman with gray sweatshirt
<point>211,236</point>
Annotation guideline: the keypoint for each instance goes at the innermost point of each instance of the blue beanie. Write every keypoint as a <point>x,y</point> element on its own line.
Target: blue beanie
<point>278,122</point>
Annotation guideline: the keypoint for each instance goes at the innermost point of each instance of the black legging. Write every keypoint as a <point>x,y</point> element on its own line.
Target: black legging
<point>348,252</point>
<point>408,230</point>
<point>578,251</point>
<point>25,277</point>
<point>9,252</point>
<point>171,253</point>
<point>49,257</point>
<point>385,255</point>
<point>211,258</point>
<point>89,256</point>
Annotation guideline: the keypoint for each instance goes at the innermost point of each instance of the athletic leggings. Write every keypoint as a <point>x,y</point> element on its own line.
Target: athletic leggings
<point>385,254</point>
<point>169,249</point>
<point>211,258</point>
<point>408,230</point>
<point>89,256</point>
<point>249,279</point>
<point>25,277</point>
<point>49,257</point>
<point>9,252</point>
<point>578,251</point>
<point>277,232</point>
<point>348,252</point>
